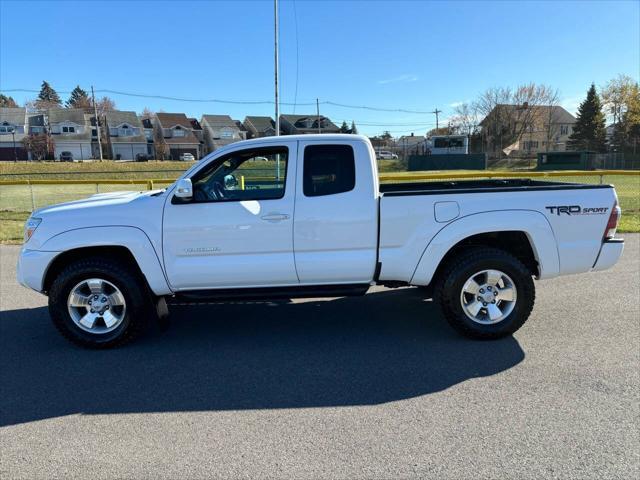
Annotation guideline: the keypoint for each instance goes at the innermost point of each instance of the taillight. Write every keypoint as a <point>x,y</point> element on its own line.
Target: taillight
<point>612,224</point>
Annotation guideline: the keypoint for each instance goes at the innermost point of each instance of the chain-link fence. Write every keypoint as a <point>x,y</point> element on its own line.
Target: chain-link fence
<point>20,197</point>
<point>28,195</point>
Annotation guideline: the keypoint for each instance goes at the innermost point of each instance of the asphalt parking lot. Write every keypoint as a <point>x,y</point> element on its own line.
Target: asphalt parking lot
<point>371,387</point>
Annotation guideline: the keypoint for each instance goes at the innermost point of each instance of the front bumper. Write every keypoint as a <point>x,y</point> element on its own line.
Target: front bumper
<point>32,267</point>
<point>610,253</point>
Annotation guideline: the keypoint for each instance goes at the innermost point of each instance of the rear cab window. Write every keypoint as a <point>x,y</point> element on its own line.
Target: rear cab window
<point>328,170</point>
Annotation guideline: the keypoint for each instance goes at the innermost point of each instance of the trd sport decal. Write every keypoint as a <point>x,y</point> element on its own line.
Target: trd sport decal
<point>577,210</point>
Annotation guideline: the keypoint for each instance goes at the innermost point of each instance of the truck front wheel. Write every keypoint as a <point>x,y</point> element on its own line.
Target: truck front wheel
<point>99,303</point>
<point>485,293</point>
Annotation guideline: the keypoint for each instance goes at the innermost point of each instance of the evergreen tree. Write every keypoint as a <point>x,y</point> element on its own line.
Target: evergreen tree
<point>589,130</point>
<point>354,130</point>
<point>48,97</point>
<point>344,128</point>
<point>78,99</point>
<point>7,102</point>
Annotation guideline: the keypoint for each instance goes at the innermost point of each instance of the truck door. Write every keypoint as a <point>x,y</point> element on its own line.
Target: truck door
<point>335,227</point>
<point>237,231</point>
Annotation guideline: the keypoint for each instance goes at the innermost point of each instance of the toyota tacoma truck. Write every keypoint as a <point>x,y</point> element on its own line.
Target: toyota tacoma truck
<point>305,216</point>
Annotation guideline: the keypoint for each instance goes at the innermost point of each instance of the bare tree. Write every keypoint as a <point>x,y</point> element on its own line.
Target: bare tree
<point>492,106</point>
<point>146,113</point>
<point>105,104</point>
<point>511,114</point>
<point>465,120</point>
<point>616,95</point>
<point>551,117</point>
<point>39,144</point>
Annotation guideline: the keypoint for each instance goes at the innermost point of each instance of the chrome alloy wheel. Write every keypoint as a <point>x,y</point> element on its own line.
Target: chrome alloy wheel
<point>96,306</point>
<point>488,297</point>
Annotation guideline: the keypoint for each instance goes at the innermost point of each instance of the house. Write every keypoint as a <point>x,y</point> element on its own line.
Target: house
<point>527,130</point>
<point>199,133</point>
<point>70,130</point>
<point>147,126</point>
<point>124,135</point>
<point>37,123</point>
<point>242,128</point>
<point>220,130</point>
<point>411,144</point>
<point>13,128</point>
<point>174,136</point>
<point>257,127</point>
<point>302,124</point>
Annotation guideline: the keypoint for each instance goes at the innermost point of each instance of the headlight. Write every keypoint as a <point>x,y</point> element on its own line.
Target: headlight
<point>30,227</point>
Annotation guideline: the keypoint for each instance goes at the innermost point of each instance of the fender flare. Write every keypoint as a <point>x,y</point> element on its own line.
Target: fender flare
<point>534,225</point>
<point>132,238</point>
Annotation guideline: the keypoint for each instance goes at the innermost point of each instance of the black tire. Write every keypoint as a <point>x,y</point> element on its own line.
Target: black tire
<point>136,294</point>
<point>450,283</point>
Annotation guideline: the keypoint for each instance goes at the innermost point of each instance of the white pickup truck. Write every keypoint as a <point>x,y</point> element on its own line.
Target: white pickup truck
<point>305,216</point>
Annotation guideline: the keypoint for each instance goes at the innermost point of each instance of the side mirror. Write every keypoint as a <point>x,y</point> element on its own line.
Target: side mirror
<point>184,189</point>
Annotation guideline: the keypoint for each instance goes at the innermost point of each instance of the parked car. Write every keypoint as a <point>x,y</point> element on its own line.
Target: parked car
<point>142,157</point>
<point>187,157</point>
<point>66,157</point>
<point>386,155</point>
<point>315,222</point>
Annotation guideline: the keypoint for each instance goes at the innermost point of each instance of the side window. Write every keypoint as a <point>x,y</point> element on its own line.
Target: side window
<point>328,169</point>
<point>258,174</point>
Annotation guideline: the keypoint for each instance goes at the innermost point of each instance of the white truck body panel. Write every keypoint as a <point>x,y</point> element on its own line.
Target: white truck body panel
<point>230,244</point>
<point>341,238</point>
<point>335,236</point>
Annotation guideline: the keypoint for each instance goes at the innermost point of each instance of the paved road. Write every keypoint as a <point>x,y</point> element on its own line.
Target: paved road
<point>373,387</point>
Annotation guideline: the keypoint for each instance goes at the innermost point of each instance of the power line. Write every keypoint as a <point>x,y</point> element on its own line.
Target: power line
<point>392,124</point>
<point>234,102</point>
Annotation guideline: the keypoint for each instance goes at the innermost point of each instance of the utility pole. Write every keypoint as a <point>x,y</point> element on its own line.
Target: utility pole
<point>436,111</point>
<point>15,152</point>
<point>95,113</point>
<point>275,12</point>
<point>318,113</point>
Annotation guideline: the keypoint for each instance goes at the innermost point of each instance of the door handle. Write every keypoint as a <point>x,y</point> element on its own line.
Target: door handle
<point>275,217</point>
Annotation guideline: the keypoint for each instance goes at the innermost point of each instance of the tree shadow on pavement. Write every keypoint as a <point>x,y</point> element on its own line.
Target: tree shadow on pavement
<point>387,346</point>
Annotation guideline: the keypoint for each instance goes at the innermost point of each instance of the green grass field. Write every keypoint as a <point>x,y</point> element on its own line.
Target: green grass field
<point>16,201</point>
<point>90,170</point>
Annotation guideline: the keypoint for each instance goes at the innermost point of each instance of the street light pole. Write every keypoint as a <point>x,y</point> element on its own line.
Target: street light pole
<point>275,12</point>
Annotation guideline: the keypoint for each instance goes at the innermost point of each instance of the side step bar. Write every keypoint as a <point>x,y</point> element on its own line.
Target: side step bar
<point>270,293</point>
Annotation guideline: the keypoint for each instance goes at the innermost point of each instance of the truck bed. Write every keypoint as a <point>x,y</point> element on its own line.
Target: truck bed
<point>479,186</point>
<point>414,213</point>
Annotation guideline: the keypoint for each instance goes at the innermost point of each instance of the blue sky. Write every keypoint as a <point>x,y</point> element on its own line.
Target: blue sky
<point>414,55</point>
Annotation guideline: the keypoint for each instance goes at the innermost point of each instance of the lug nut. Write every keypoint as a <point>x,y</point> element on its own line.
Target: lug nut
<point>484,304</point>
<point>104,299</point>
<point>489,288</point>
<point>495,293</point>
<point>493,301</point>
<point>93,311</point>
<point>482,290</point>
<point>95,297</point>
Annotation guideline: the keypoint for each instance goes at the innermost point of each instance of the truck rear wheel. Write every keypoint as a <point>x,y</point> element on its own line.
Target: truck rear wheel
<point>99,303</point>
<point>485,293</point>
